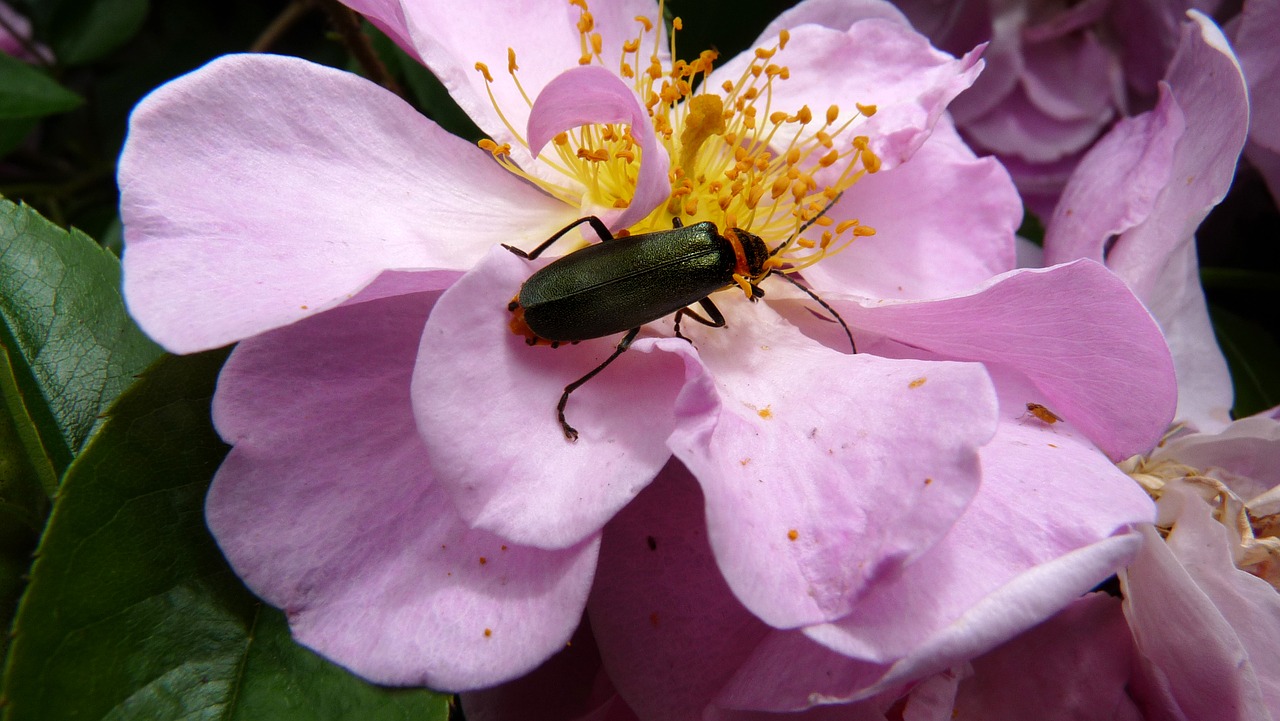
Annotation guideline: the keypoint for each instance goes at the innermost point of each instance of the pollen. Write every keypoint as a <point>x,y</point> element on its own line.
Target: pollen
<point>739,156</point>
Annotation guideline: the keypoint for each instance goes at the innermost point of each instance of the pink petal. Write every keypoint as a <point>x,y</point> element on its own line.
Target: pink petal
<point>1000,29</point>
<point>1050,521</point>
<point>326,507</point>
<point>1205,391</point>
<point>486,405</point>
<point>1115,186</point>
<point>1147,32</point>
<point>1205,628</point>
<point>261,189</point>
<point>1206,84</point>
<point>926,245</point>
<point>669,630</point>
<point>823,472</point>
<point>1018,128</point>
<point>1267,163</point>
<point>1255,42</point>
<point>388,16</point>
<point>570,685</point>
<point>1073,666</point>
<point>1152,182</point>
<point>451,37</point>
<point>1075,77</point>
<point>1074,330</point>
<point>591,94</point>
<point>835,14</point>
<point>879,62</point>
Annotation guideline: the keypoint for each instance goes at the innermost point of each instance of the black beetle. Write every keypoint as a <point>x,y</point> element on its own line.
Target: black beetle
<point>619,284</point>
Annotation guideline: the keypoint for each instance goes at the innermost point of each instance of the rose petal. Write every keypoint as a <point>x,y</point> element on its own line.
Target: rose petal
<point>1075,665</point>
<point>260,190</point>
<point>1206,84</point>
<point>570,685</point>
<point>1153,183</point>
<point>451,37</point>
<point>1255,43</point>
<point>882,63</point>
<point>1000,27</point>
<point>1072,77</point>
<point>1081,337</point>
<point>641,582</point>
<point>1177,596</point>
<point>926,245</point>
<point>1048,523</point>
<point>1018,128</point>
<point>823,471</point>
<point>1114,187</point>
<point>387,16</point>
<point>326,507</point>
<point>835,14</point>
<point>486,404</point>
<point>669,630</point>
<point>591,94</point>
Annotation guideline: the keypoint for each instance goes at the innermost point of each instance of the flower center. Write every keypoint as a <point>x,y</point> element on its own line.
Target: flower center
<point>737,160</point>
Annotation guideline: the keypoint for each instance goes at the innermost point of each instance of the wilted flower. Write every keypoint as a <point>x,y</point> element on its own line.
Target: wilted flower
<point>399,482</point>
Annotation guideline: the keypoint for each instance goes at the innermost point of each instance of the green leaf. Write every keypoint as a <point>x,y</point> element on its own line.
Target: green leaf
<point>25,480</point>
<point>1251,352</point>
<point>85,30</point>
<point>72,345</point>
<point>25,92</point>
<point>1032,227</point>
<point>1240,279</point>
<point>132,613</point>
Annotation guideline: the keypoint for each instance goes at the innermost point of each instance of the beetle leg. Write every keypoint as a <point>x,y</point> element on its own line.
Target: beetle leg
<point>596,224</point>
<point>676,222</point>
<point>623,345</point>
<point>717,320</point>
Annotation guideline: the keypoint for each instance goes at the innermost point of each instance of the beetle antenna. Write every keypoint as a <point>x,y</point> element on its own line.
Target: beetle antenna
<point>806,225</point>
<point>825,305</point>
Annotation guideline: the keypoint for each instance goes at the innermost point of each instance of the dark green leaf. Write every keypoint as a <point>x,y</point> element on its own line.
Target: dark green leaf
<point>132,613</point>
<point>14,131</point>
<point>73,347</point>
<point>1251,353</point>
<point>85,30</point>
<point>26,92</point>
<point>1240,279</point>
<point>25,480</point>
<point>1032,227</point>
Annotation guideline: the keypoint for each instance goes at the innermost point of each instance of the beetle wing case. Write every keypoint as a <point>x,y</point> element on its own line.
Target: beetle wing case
<point>626,282</point>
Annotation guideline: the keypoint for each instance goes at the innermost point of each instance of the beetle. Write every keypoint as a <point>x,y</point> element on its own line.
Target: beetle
<point>622,283</point>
